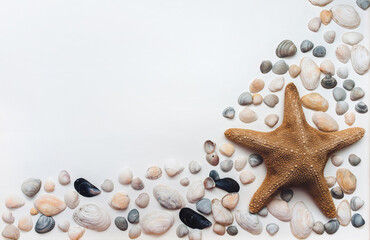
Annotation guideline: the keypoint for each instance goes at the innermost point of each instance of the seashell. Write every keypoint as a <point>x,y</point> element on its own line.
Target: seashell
<point>245,99</point>
<point>330,181</point>
<point>349,118</point>
<point>137,184</point>
<point>76,232</point>
<point>135,232</point>
<point>153,173</point>
<point>195,235</point>
<point>271,100</point>
<point>204,206</point>
<point>31,187</point>
<point>157,222</point>
<point>354,160</point>
<point>285,49</point>
<point>228,184</point>
<point>361,107</point>
<point>329,36</point>
<point>184,181</point>
<point>133,216</point>
<point>14,201</point>
<point>168,198</point>
<point>49,185</point>
<point>357,220</point>
<point>142,200</point>
<point>92,217</point>
<point>44,224</point>
<point>246,177</point>
<point>64,225</point>
<point>255,159</point>
<point>318,228</point>
<point>342,72</point>
<point>263,212</point>
<point>195,191</point>
<point>240,163</point>
<point>344,213</point>
<point>193,219</point>
<point>271,120</point>
<point>266,66</point>
<point>230,200</point>
<point>364,4</point>
<point>194,167</point>
<point>331,227</point>
<point>341,108</point>
<point>247,115</point>
<point>11,232</point>
<point>328,82</point>
<point>125,176</point>
<point>173,167</point>
<point>348,84</point>
<point>337,160</point>
<point>319,51</point>
<point>219,229</point>
<point>337,193</point>
<point>343,53</point>
<point>280,209</point>
<point>345,16</point>
<point>346,180</point>
<point>310,73</point>
<point>214,175</point>
<point>302,221</point>
<point>232,230</point>
<point>339,94</point>
<point>121,223</point>
<point>306,46</point>
<point>277,84</point>
<point>64,178</point>
<point>212,158</point>
<point>360,58</point>
<point>357,93</point>
<point>327,67</point>
<point>314,24</point>
<point>182,231</point>
<point>286,195</point>
<point>226,165</point>
<point>227,149</point>
<point>248,221</point>
<point>209,183</point>
<point>320,3</point>
<point>325,17</point>
<point>221,215</point>
<point>352,38</point>
<point>209,146</point>
<point>85,188</point>
<point>256,85</point>
<point>25,223</point>
<point>71,199</point>
<point>107,185</point>
<point>324,122</point>
<point>228,112</point>
<point>356,203</point>
<point>8,217</point>
<point>272,228</point>
<point>119,201</point>
<point>49,205</point>
<point>257,99</point>
<point>294,71</point>
<point>315,102</point>
<point>280,67</point>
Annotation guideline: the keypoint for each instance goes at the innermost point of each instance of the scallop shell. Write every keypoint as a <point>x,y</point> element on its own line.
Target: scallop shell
<point>343,53</point>
<point>157,222</point>
<point>248,221</point>
<point>346,16</point>
<point>344,213</point>
<point>49,205</point>
<point>168,197</point>
<point>64,178</point>
<point>310,73</point>
<point>92,217</point>
<point>352,38</point>
<point>71,198</point>
<point>320,3</point>
<point>280,209</point>
<point>221,214</point>
<point>195,191</point>
<point>360,58</point>
<point>302,221</point>
<point>285,49</point>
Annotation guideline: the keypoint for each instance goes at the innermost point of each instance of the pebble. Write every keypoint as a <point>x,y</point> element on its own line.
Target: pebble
<point>263,212</point>
<point>286,194</point>
<point>153,173</point>
<point>142,200</point>
<point>71,199</point>
<point>49,205</point>
<point>245,99</point>
<point>331,181</point>
<point>302,221</point>
<point>348,84</point>
<point>31,187</point>
<point>364,4</point>
<point>276,84</point>
<point>337,193</point>
<point>247,115</point>
<point>319,51</point>
<point>209,146</point>
<point>193,219</point>
<point>248,221</point>
<point>272,228</point>
<point>255,160</point>
<point>349,118</point>
<point>134,232</point>
<point>64,178</point>
<point>343,53</point>
<point>271,120</point>
<point>314,24</point>
<point>184,182</point>
<point>357,93</point>
<point>220,214</point>
<point>226,165</point>
<point>85,188</point>
<point>354,160</point>
<point>256,85</point>
<point>76,232</point>
<point>352,38</point>
<point>325,16</point>
<point>14,201</point>
<point>361,107</point>
<point>120,201</point>
<point>232,230</point>
<point>294,70</point>
<point>357,220</point>
<point>182,231</point>
<point>173,167</point>
<point>92,217</point>
<point>133,216</point>
<point>331,227</point>
<point>329,37</point>
<point>246,177</point>
<point>240,163</point>
<point>168,197</point>
<point>280,209</point>
<point>328,82</point>
<point>8,217</point>
<point>318,228</point>
<point>356,203</point>
<point>230,200</point>
<point>346,180</point>
<point>204,206</point>
<point>257,99</point>
<point>214,175</point>
<point>209,183</point>
<point>25,223</point>
<point>280,67</point>
<point>344,213</point>
<point>49,185</point>
<point>125,176</point>
<point>11,232</point>
<point>266,66</point>
<point>137,184</point>
<point>227,149</point>
<point>306,46</point>
<point>195,191</point>
<point>315,102</point>
<point>271,100</point>
<point>341,107</point>
<point>212,158</point>
<point>194,167</point>
<point>339,94</point>
<point>44,224</point>
<point>337,160</point>
<point>229,112</point>
<point>327,67</point>
<point>195,235</point>
<point>342,72</point>
<point>107,185</point>
<point>310,73</point>
<point>219,229</point>
<point>324,122</point>
<point>64,225</point>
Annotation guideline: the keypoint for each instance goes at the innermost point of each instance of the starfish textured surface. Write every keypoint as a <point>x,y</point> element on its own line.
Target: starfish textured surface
<point>295,154</point>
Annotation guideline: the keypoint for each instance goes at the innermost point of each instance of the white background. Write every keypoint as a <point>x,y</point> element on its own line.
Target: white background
<point>93,86</point>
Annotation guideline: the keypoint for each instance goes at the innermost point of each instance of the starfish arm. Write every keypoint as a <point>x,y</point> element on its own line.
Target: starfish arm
<point>344,138</point>
<point>293,112</point>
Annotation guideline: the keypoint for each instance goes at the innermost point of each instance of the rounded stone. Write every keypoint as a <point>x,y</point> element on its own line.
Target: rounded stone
<point>319,51</point>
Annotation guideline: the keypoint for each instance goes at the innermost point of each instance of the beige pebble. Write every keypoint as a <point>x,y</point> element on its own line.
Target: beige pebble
<point>257,99</point>
<point>315,102</point>
<point>327,67</point>
<point>324,122</point>
<point>227,149</point>
<point>76,232</point>
<point>240,163</point>
<point>120,201</point>
<point>314,24</point>
<point>247,115</point>
<point>11,232</point>
<point>230,200</point>
<point>330,181</point>
<point>246,177</point>
<point>49,205</point>
<point>135,232</point>
<point>346,180</point>
<point>219,229</point>
<point>153,173</point>
<point>325,17</point>
<point>125,176</point>
<point>337,160</point>
<point>142,200</point>
<point>25,223</point>
<point>256,85</point>
<point>49,185</point>
<point>14,201</point>
<point>33,211</point>
<point>294,70</point>
<point>271,120</point>
<point>349,118</point>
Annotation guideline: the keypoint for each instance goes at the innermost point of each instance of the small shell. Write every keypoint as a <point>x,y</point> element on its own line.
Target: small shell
<point>302,221</point>
<point>64,178</point>
<point>44,224</point>
<point>294,71</point>
<point>280,209</point>
<point>226,165</point>
<point>31,187</point>
<point>219,229</point>
<point>277,84</point>
<point>266,66</point>
<point>257,99</point>
<point>306,46</point>
<point>330,181</point>
<point>346,180</point>
<point>182,231</point>
<point>168,198</point>
<point>247,115</point>
<point>153,173</point>
<point>285,49</point>
<point>209,146</point>
<point>245,99</point>
<point>25,223</point>
<point>315,102</point>
<point>209,183</point>
<point>64,225</point>
<point>360,58</point>
<point>221,215</point>
<point>173,167</point>
<point>230,200</point>
<point>228,112</point>
<point>11,232</point>
<point>256,85</point>
<point>325,16</point>
<point>195,234</point>
<point>349,118</point>
<point>280,67</point>
<point>92,217</point>
<point>352,38</point>
<point>329,36</point>
<point>125,176</point>
<point>227,149</point>
<point>345,16</point>
<point>49,205</point>
<point>361,107</point>
<point>324,122</point>
<point>270,100</point>
<point>184,181</point>
<point>195,191</point>
<point>157,222</point>
<point>204,206</point>
<point>314,24</point>
<point>310,73</point>
<point>76,232</point>
<point>248,221</point>
<point>135,232</point>
<point>8,217</point>
<point>120,201</point>
<point>194,167</point>
<point>344,213</point>
<point>240,163</point>
<point>337,160</point>
<point>320,3</point>
<point>246,177</point>
<point>212,158</point>
<point>356,203</point>
<point>121,223</point>
<point>327,67</point>
<point>142,200</point>
<point>342,72</point>
<point>107,185</point>
<point>343,53</point>
<point>14,201</point>
<point>71,198</point>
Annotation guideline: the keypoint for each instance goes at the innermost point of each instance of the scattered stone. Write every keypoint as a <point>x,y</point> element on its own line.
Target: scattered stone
<point>337,193</point>
<point>286,194</point>
<point>356,203</point>
<point>318,228</point>
<point>271,120</point>
<point>294,71</point>
<point>204,206</point>
<point>357,220</point>
<point>272,228</point>
<point>306,46</point>
<point>331,227</point>
<point>324,122</point>
<point>339,94</point>
<point>266,66</point>
<point>232,230</point>
<point>240,163</point>
<point>319,51</point>
<point>271,100</point>
<point>133,216</point>
<point>142,200</point>
<point>226,165</point>
<point>280,67</point>
<point>315,102</point>
<point>354,160</point>
<point>361,107</point>
<point>256,85</point>
<point>228,112</point>
<point>314,24</point>
<point>245,99</point>
<point>255,159</point>
<point>227,149</point>
<point>280,209</point>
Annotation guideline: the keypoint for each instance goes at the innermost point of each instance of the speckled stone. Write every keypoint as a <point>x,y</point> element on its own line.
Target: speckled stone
<point>319,51</point>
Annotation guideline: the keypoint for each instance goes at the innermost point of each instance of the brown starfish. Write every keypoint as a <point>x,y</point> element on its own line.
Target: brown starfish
<point>295,154</point>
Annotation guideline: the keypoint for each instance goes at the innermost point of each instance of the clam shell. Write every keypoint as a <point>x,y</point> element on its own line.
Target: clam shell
<point>221,214</point>
<point>360,59</point>
<point>310,73</point>
<point>173,167</point>
<point>76,232</point>
<point>49,205</point>
<point>64,178</point>
<point>280,209</point>
<point>195,191</point>
<point>344,213</point>
<point>346,180</point>
<point>194,167</point>
<point>125,176</point>
<point>209,146</point>
<point>153,173</point>
<point>280,67</point>
<point>302,221</point>
<point>120,201</point>
<point>320,3</point>
<point>137,184</point>
<point>71,199</point>
<point>142,200</point>
<point>64,225</point>
<point>248,221</point>
<point>329,36</point>
<point>11,232</point>
<point>352,38</point>
<point>31,187</point>
<point>44,224</point>
<point>285,49</point>
<point>25,223</point>
<point>343,53</point>
<point>85,188</point>
<point>92,217</point>
<point>345,16</point>
<point>8,217</point>
<point>157,222</point>
<point>193,219</point>
<point>168,198</point>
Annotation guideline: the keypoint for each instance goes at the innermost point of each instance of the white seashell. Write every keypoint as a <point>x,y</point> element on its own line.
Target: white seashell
<point>324,122</point>
<point>276,84</point>
<point>142,200</point>
<point>14,201</point>
<point>195,234</point>
<point>349,118</point>
<point>330,181</point>
<point>92,217</point>
<point>310,73</point>
<point>329,36</point>
<point>302,221</point>
<point>227,149</point>
<point>64,225</point>
<point>157,222</point>
<point>135,232</point>
<point>346,16</point>
<point>107,185</point>
<point>246,177</point>
<point>337,160</point>
<point>352,38</point>
<point>342,72</point>
<point>248,221</point>
<point>49,185</point>
<point>125,176</point>
<point>76,232</point>
<point>168,198</point>
<point>230,200</point>
<point>153,173</point>
<point>72,199</point>
<point>173,167</point>
<point>11,232</point>
<point>194,167</point>
<point>327,67</point>
<point>280,209</point>
<point>320,3</point>
<point>49,205</point>
<point>120,201</point>
<point>360,58</point>
<point>64,178</point>
<point>8,217</point>
<point>25,223</point>
<point>343,53</point>
<point>344,213</point>
<point>195,191</point>
<point>221,214</point>
<point>247,115</point>
<point>240,163</point>
<point>314,24</point>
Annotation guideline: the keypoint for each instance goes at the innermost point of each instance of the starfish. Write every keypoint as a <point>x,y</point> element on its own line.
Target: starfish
<point>295,154</point>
